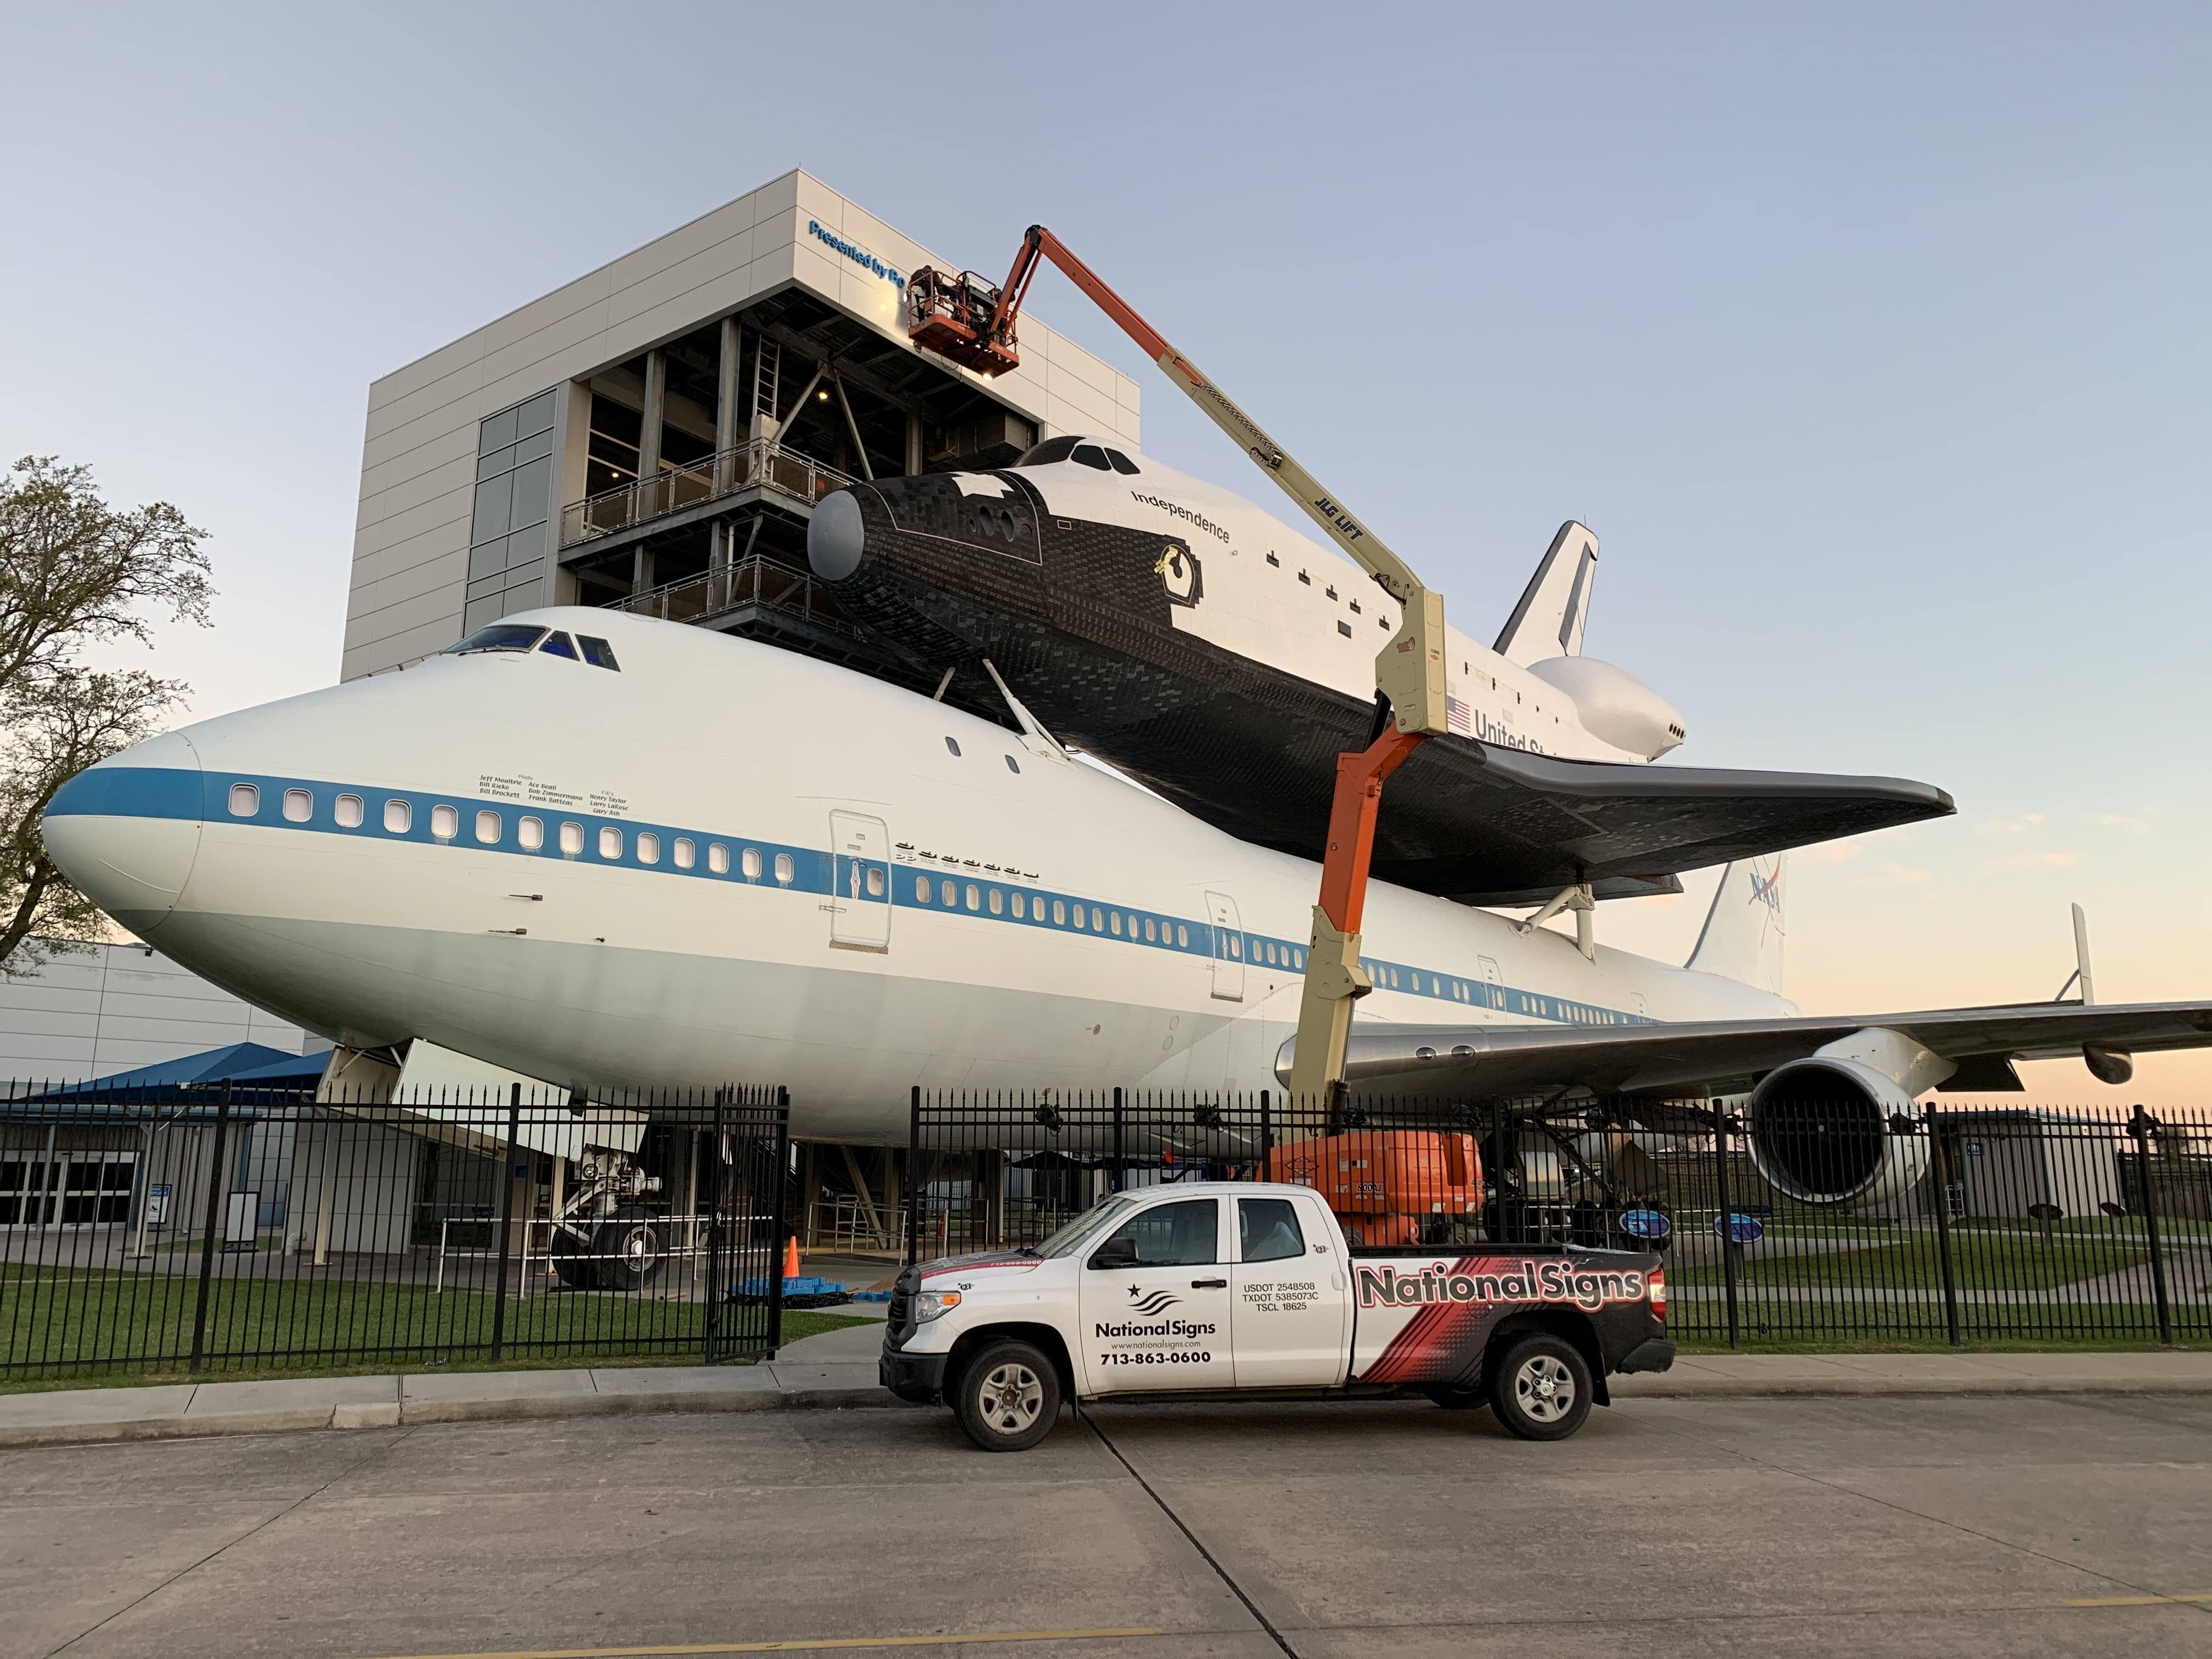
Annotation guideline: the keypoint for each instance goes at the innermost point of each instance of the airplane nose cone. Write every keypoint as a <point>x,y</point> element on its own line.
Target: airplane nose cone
<point>836,537</point>
<point>126,832</point>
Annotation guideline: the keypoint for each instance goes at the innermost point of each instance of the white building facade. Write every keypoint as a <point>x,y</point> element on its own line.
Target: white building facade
<point>654,433</point>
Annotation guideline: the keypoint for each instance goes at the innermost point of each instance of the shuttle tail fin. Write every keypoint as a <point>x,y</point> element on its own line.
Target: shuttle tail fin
<point>1548,621</point>
<point>1743,932</point>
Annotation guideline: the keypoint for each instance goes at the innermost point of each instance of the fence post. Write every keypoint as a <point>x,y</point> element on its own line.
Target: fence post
<point>1267,1136</point>
<point>1727,1227</point>
<point>1115,1184</point>
<point>915,1187</point>
<point>506,1219</point>
<point>1942,1224</point>
<point>718,1202</point>
<point>218,1190</point>
<point>781,1141</point>
<point>2139,1126</point>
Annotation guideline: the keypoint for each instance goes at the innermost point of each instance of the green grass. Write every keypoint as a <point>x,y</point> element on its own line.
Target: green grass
<point>129,1327</point>
<point>1980,1261</point>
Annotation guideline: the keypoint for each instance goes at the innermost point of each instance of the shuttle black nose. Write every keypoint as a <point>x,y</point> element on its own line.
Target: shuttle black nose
<point>836,537</point>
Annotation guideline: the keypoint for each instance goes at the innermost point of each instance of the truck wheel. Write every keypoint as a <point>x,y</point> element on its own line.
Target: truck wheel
<point>1454,1398</point>
<point>1008,1397</point>
<point>633,1248</point>
<point>1540,1388</point>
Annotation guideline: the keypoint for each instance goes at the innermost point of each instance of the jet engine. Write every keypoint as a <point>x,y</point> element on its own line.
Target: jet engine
<point>1830,1130</point>
<point>1615,706</point>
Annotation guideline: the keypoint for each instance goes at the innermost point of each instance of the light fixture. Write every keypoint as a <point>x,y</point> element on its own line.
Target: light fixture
<point>822,397</point>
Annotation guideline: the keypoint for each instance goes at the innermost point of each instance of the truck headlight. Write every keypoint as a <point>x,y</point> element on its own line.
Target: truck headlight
<point>934,1304</point>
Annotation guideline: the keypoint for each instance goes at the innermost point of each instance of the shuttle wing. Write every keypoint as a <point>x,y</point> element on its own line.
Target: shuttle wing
<point>1661,1058</point>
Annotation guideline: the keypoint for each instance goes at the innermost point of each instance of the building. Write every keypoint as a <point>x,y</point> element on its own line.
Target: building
<point>654,435</point>
<point>91,1010</point>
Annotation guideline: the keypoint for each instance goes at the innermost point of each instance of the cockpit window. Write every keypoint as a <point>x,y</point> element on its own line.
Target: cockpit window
<point>599,652</point>
<point>559,645</point>
<point>1121,463</point>
<point>1049,453</point>
<point>499,636</point>
<point>1091,455</point>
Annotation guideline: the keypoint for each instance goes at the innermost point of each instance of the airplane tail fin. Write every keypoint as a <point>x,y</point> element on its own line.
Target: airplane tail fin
<point>1743,931</point>
<point>1548,621</point>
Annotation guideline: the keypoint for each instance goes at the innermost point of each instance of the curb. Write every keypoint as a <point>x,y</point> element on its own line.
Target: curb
<point>643,1403</point>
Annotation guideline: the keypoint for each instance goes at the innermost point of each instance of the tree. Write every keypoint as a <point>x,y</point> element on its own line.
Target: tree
<point>75,574</point>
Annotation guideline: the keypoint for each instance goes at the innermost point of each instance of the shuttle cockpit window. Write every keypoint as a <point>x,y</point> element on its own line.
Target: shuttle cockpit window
<point>1121,463</point>
<point>498,636</point>
<point>558,644</point>
<point>599,652</point>
<point>1047,453</point>
<point>1091,455</point>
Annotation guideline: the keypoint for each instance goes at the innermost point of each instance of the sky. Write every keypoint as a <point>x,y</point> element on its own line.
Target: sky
<point>1870,339</point>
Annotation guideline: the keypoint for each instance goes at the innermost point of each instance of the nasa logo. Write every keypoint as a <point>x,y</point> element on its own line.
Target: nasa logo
<point>1177,567</point>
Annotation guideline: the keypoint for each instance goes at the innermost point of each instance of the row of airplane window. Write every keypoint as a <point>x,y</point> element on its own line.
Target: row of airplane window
<point>350,811</point>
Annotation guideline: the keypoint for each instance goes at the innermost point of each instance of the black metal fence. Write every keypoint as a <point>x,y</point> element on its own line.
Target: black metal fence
<point>1788,1223</point>
<point>224,1228</point>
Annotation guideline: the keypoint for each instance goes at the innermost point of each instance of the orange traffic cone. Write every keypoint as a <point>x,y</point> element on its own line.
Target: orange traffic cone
<point>791,1257</point>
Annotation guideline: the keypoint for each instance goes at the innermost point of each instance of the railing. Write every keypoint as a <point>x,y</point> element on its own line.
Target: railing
<point>759,464</point>
<point>754,580</point>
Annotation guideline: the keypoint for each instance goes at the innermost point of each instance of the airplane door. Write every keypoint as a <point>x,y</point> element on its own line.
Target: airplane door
<point>1228,947</point>
<point>861,882</point>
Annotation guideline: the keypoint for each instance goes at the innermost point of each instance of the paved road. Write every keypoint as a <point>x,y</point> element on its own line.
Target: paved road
<point>1814,1526</point>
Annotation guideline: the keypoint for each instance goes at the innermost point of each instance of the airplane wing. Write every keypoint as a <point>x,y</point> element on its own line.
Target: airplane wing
<point>1664,1057</point>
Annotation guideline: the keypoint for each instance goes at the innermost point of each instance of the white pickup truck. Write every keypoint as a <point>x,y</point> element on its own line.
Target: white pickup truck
<point>1246,1289</point>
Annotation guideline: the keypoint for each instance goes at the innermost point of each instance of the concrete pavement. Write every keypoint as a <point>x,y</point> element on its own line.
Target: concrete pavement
<point>837,1369</point>
<point>1973,1528</point>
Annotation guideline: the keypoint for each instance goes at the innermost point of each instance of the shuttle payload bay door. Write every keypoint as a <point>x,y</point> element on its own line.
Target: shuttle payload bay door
<point>1228,947</point>
<point>861,882</point>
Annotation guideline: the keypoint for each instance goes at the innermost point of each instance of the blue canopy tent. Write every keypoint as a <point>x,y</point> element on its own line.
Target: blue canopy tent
<point>190,1080</point>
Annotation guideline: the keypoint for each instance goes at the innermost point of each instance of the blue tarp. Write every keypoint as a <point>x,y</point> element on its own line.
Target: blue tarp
<point>192,1078</point>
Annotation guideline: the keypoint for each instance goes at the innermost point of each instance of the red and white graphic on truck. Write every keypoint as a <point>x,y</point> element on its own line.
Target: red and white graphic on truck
<point>1444,1311</point>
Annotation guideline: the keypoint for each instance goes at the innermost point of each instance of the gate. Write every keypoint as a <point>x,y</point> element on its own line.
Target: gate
<point>750,1175</point>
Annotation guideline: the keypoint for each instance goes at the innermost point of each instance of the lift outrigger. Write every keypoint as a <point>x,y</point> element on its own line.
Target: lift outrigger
<point>970,322</point>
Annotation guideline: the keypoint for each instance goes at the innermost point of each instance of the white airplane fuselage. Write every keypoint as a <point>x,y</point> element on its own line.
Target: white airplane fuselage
<point>757,868</point>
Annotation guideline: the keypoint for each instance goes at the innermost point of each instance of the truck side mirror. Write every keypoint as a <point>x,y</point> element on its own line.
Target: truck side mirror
<point>1116,1253</point>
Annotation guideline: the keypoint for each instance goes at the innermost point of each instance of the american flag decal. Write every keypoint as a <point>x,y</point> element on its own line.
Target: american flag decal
<point>1457,716</point>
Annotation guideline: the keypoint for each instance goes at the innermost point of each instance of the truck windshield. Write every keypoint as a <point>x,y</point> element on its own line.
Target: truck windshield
<point>1070,1238</point>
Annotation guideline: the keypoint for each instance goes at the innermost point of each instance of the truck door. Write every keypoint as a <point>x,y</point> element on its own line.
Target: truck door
<point>1289,1326</point>
<point>1228,947</point>
<point>1154,1302</point>
<point>861,882</point>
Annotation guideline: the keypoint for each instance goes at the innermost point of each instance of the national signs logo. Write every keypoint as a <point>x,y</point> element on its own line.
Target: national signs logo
<point>1149,1302</point>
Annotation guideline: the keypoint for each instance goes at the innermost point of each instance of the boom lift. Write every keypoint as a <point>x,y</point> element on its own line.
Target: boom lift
<point>966,321</point>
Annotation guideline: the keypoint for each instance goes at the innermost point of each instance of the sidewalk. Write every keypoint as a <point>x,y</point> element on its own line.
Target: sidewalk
<point>837,1370</point>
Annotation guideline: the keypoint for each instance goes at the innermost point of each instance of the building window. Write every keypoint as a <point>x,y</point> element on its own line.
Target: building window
<point>510,529</point>
<point>611,841</point>
<point>648,848</point>
<point>531,833</point>
<point>445,822</point>
<point>488,828</point>
<point>299,806</point>
<point>749,863</point>
<point>921,889</point>
<point>784,867</point>
<point>572,839</point>
<point>348,811</point>
<point>718,858</point>
<point>245,800</point>
<point>399,817</point>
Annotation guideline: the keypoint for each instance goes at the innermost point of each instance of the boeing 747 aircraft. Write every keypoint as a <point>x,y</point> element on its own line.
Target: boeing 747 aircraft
<point>605,851</point>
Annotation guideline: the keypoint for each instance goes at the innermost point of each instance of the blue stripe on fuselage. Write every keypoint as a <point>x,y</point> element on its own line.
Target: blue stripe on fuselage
<point>168,792</point>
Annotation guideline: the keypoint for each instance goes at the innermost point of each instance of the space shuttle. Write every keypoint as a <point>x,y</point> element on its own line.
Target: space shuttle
<point>1224,659</point>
